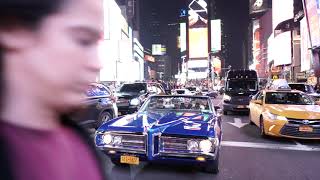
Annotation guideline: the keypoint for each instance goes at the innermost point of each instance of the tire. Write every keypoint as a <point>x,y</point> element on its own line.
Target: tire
<point>104,117</point>
<point>261,127</point>
<point>213,167</point>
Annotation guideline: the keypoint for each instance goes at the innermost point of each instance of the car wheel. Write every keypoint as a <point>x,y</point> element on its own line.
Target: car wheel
<point>213,167</point>
<point>262,131</point>
<point>104,117</point>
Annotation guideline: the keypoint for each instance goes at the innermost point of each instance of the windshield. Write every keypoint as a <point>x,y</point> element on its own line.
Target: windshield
<point>234,85</point>
<point>288,98</point>
<point>178,104</point>
<point>133,88</point>
<point>97,90</point>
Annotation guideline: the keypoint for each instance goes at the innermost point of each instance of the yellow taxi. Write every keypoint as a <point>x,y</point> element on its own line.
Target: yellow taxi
<point>285,113</point>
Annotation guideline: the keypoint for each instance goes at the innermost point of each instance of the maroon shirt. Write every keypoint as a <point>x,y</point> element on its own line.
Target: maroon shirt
<point>58,154</point>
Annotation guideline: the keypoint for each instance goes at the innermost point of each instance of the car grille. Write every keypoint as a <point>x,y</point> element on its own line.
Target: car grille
<point>176,146</point>
<point>293,130</point>
<point>123,102</point>
<point>131,143</point>
<point>240,100</point>
<point>303,121</point>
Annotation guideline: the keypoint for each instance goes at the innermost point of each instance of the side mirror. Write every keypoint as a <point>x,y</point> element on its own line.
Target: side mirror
<point>257,102</point>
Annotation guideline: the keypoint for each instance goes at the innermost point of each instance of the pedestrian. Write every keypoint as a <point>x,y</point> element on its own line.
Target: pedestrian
<point>48,56</point>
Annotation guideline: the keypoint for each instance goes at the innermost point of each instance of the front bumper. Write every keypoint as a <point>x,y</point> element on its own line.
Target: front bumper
<point>235,108</point>
<point>282,128</point>
<point>192,159</point>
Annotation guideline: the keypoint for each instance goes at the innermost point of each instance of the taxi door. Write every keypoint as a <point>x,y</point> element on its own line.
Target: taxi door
<point>256,109</point>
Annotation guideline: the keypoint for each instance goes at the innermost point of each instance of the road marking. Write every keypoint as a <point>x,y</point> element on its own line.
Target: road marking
<point>238,123</point>
<point>269,146</point>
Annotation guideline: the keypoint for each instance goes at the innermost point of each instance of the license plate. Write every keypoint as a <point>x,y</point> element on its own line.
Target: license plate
<point>242,107</point>
<point>129,160</point>
<point>305,129</point>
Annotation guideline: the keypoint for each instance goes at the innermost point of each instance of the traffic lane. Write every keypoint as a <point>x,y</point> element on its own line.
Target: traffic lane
<point>250,133</point>
<point>235,163</point>
<point>247,133</point>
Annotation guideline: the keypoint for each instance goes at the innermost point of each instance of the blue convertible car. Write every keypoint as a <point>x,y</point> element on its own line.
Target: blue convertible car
<point>166,129</point>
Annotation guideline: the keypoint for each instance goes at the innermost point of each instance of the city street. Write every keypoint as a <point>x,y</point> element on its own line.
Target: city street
<point>245,155</point>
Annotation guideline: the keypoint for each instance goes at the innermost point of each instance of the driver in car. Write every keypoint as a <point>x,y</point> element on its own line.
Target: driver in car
<point>186,105</point>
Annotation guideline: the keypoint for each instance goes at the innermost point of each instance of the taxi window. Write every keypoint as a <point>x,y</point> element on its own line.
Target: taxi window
<point>288,98</point>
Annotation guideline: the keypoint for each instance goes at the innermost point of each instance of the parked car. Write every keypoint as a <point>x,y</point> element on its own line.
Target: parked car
<point>132,95</point>
<point>99,107</point>
<point>167,129</point>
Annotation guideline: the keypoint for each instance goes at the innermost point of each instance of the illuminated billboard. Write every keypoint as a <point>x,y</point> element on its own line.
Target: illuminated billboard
<point>305,45</point>
<point>216,35</point>
<point>197,46</point>
<point>258,6</point>
<point>312,9</point>
<point>282,42</point>
<point>198,29</point>
<point>183,37</point>
<point>158,50</point>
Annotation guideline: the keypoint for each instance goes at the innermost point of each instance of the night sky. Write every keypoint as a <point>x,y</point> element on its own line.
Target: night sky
<point>234,14</point>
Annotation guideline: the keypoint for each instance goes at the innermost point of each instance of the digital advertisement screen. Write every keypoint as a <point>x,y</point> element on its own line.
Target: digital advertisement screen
<point>216,35</point>
<point>183,37</point>
<point>313,18</point>
<point>198,43</point>
<point>305,45</point>
<point>282,42</point>
<point>280,14</point>
<point>198,29</point>
<point>257,6</point>
<point>282,49</point>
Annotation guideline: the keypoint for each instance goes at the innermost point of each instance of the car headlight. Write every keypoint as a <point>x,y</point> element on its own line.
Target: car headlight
<point>117,140</point>
<point>107,138</point>
<point>226,98</point>
<point>193,145</point>
<point>135,102</point>
<point>275,117</point>
<point>206,146</point>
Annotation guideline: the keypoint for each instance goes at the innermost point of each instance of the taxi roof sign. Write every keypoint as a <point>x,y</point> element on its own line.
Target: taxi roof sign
<point>279,84</point>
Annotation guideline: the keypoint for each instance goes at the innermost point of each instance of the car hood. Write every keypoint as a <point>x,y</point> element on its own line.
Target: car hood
<point>296,111</point>
<point>170,123</point>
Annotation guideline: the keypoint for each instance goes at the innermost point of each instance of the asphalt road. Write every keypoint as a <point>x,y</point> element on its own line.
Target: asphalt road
<point>245,155</point>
